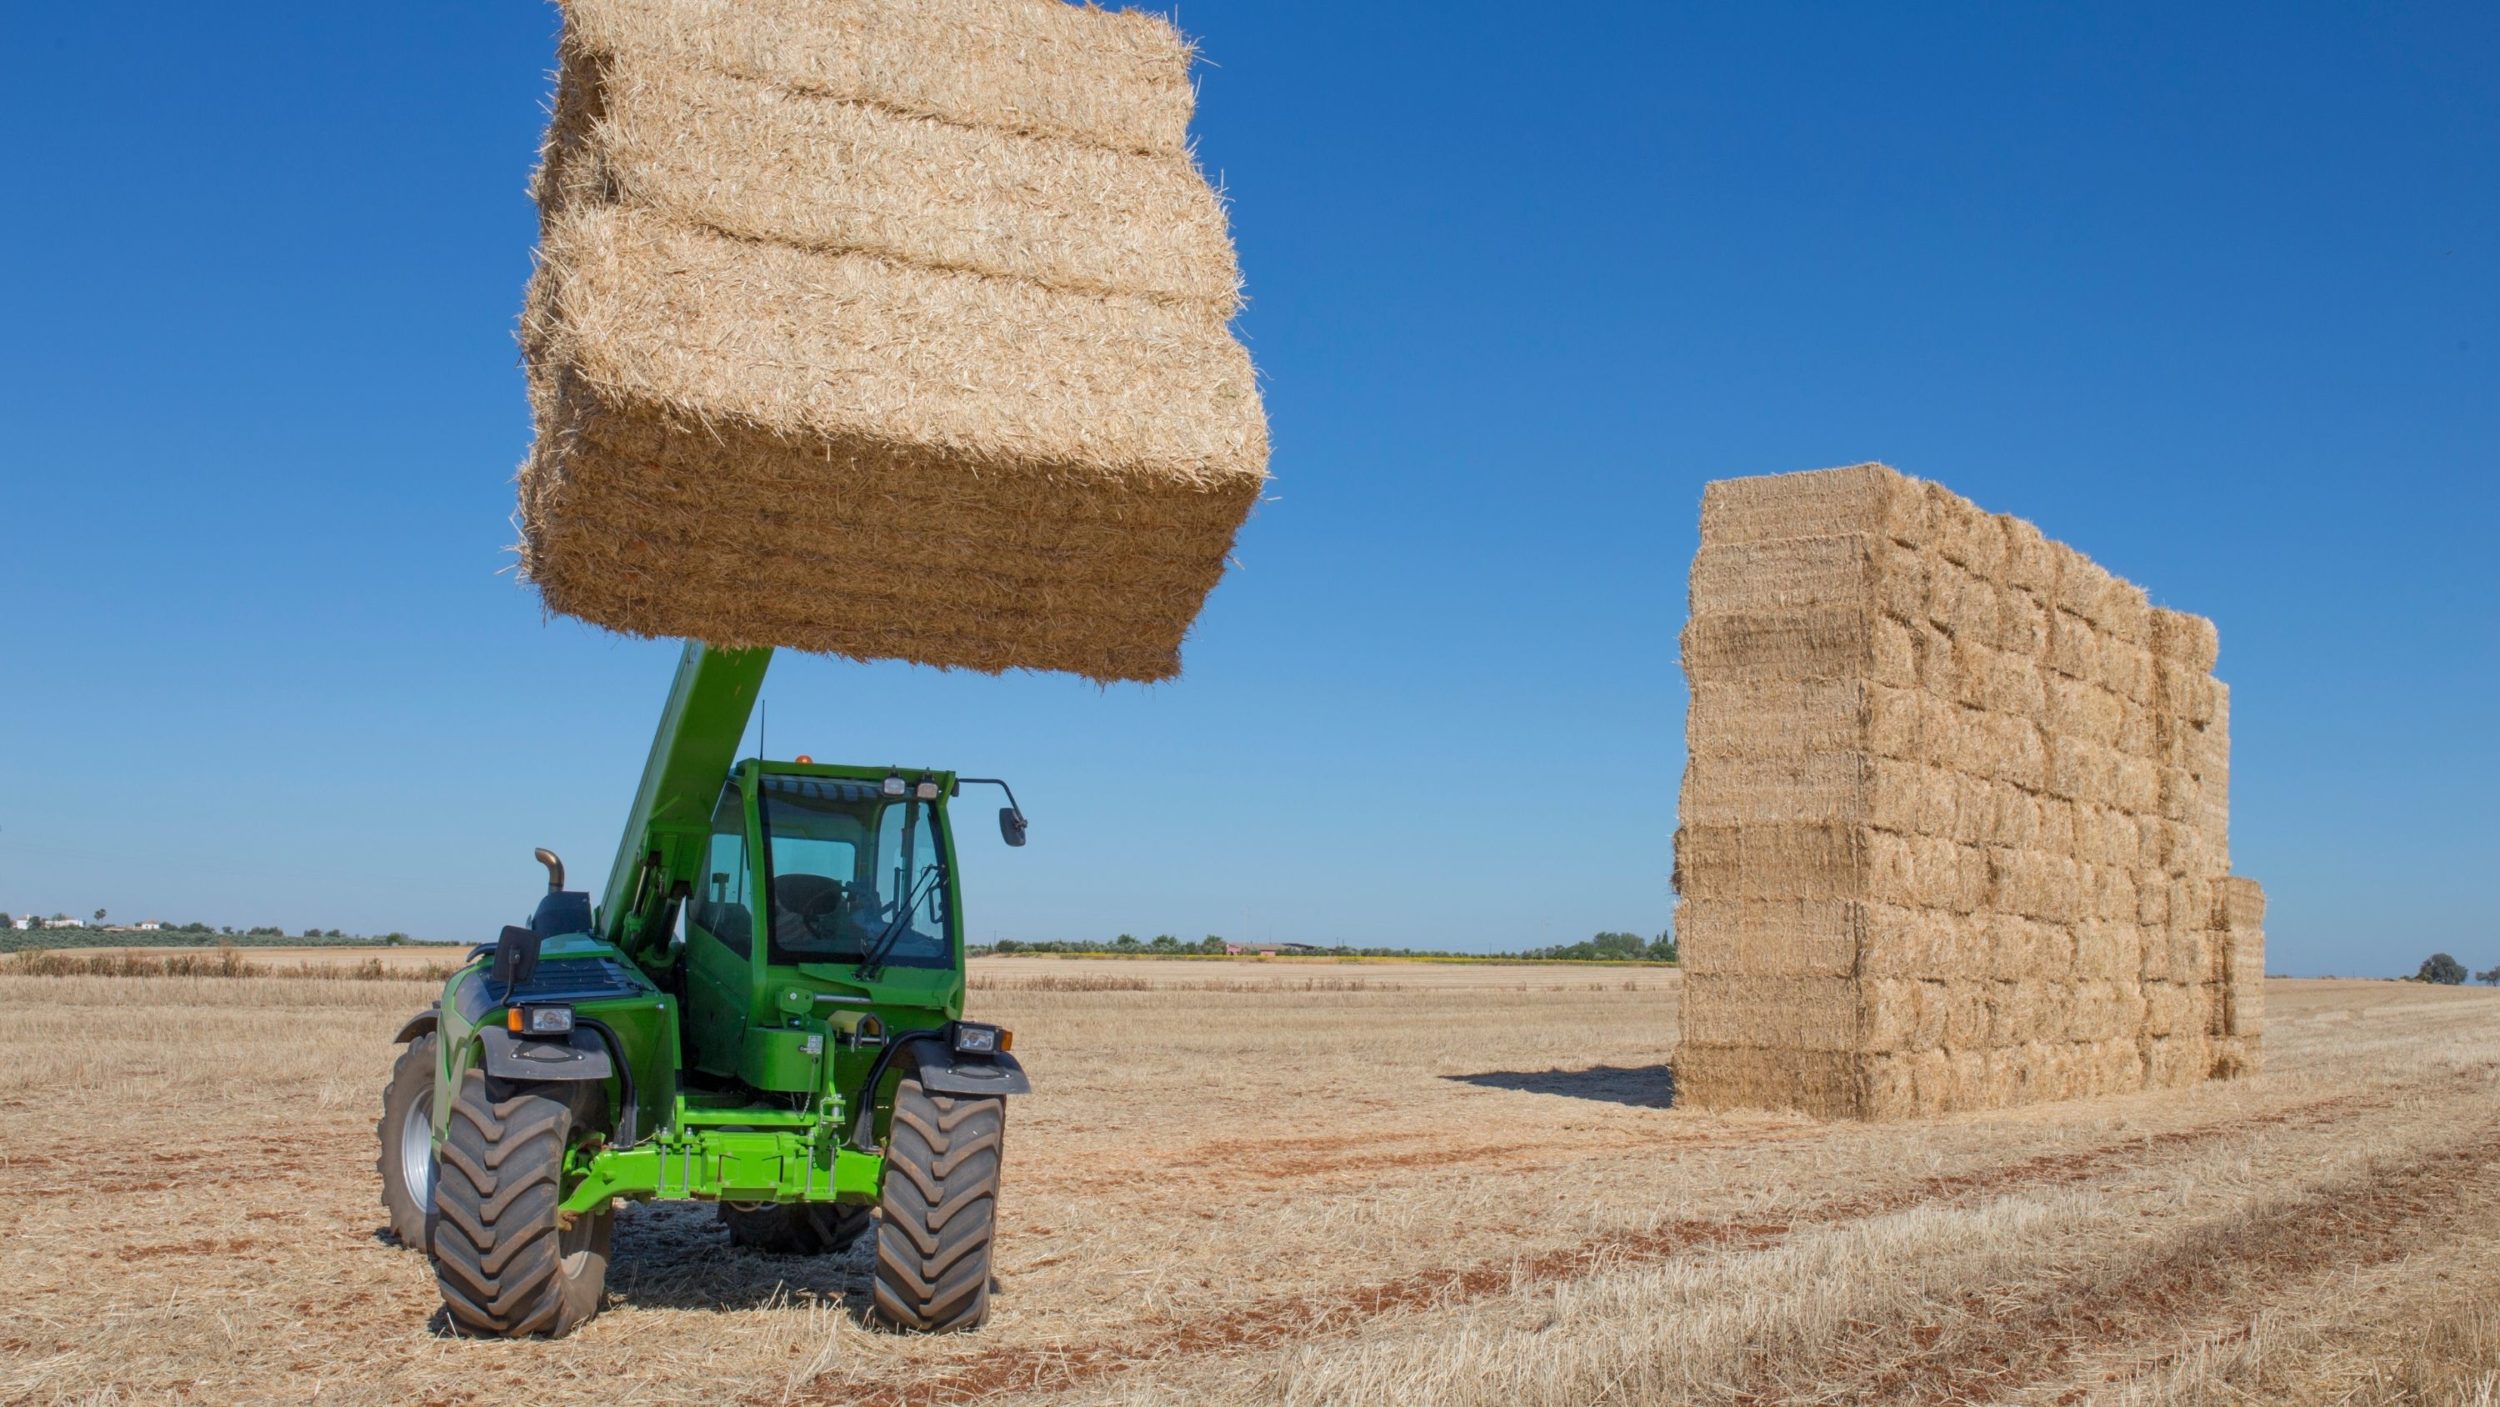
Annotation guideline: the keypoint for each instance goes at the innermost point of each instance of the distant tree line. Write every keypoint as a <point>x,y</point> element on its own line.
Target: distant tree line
<point>2448,972</point>
<point>1608,947</point>
<point>1604,947</point>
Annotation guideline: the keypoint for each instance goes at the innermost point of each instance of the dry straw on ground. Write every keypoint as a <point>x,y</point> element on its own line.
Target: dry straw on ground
<point>884,331</point>
<point>1954,825</point>
<point>1484,1198</point>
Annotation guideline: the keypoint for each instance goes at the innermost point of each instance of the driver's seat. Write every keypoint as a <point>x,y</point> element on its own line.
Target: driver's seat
<point>794,895</point>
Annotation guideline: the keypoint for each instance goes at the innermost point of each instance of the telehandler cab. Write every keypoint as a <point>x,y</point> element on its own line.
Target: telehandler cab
<point>764,1012</point>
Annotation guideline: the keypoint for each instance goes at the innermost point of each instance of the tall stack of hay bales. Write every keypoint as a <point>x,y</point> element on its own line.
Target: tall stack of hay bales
<point>885,328</point>
<point>1954,823</point>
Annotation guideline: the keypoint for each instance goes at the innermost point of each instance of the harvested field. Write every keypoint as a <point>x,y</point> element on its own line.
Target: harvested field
<point>1240,1184</point>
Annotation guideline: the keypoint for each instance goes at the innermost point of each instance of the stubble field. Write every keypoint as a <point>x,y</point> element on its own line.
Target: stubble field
<point>1311,1183</point>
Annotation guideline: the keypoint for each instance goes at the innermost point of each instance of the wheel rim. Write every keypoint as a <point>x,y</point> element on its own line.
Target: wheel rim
<point>573,1247</point>
<point>416,1155</point>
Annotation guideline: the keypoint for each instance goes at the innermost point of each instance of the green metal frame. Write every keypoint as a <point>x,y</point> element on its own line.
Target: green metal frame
<point>775,1128</point>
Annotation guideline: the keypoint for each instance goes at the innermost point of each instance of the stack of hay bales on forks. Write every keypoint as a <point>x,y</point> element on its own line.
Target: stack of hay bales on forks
<point>884,328</point>
<point>1954,823</point>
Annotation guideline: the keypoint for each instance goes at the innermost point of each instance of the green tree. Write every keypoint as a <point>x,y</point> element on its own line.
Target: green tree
<point>1126,942</point>
<point>99,916</point>
<point>2441,968</point>
<point>1165,943</point>
<point>1005,945</point>
<point>1662,948</point>
<point>1211,944</point>
<point>2489,976</point>
<point>394,939</point>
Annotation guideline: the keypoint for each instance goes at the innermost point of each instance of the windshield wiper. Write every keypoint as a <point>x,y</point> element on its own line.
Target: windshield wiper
<point>873,962</point>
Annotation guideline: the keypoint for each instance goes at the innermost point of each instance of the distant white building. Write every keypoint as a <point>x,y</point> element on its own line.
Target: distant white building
<point>22,922</point>
<point>150,925</point>
<point>65,923</point>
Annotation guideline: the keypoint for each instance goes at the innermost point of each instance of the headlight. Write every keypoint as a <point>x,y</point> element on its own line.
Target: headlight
<point>973,1038</point>
<point>541,1020</point>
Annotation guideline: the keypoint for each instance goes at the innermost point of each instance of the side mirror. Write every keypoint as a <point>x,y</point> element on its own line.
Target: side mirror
<point>1011,825</point>
<point>516,957</point>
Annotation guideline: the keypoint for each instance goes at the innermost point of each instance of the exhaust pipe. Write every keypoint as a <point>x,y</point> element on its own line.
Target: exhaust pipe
<point>555,869</point>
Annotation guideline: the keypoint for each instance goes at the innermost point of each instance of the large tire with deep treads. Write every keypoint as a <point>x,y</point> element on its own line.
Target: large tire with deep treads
<point>940,1205</point>
<point>406,1133</point>
<point>796,1228</point>
<point>505,1265</point>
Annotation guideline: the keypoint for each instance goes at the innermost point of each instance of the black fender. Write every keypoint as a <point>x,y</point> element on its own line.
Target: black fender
<point>581,1055</point>
<point>942,1071</point>
<point>421,1024</point>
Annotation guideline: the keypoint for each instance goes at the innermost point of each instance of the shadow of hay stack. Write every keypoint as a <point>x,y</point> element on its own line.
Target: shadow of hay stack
<point>886,330</point>
<point>1640,1087</point>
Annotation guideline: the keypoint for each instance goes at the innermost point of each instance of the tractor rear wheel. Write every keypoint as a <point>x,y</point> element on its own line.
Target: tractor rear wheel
<point>796,1228</point>
<point>407,1137</point>
<point>940,1200</point>
<point>508,1263</point>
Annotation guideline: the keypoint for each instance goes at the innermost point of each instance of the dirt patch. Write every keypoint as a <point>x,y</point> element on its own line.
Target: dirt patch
<point>1280,1320</point>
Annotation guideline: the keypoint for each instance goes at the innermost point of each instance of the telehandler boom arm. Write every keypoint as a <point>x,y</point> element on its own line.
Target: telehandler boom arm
<point>661,857</point>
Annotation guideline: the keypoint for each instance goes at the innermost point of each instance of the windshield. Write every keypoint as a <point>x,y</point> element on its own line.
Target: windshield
<point>847,865</point>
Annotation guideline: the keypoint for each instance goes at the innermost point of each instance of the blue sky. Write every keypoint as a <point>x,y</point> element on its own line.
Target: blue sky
<point>2212,292</point>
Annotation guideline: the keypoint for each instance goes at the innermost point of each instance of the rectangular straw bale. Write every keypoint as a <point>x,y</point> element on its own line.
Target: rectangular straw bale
<point>1943,606</point>
<point>1806,787</point>
<point>2172,1062</point>
<point>1825,1084</point>
<point>1797,1013</point>
<point>1770,937</point>
<point>1917,943</point>
<point>1864,498</point>
<point>2022,622</point>
<point>2137,736</point>
<point>1902,582</point>
<point>2030,558</point>
<point>1078,462</point>
<point>2125,669</point>
<point>2185,639</point>
<point>1776,717</point>
<point>2239,903</point>
<point>1822,860</point>
<point>1973,808</point>
<point>1900,1013</point>
<point>2074,647</point>
<point>1779,573</point>
<point>1805,642</point>
<point>1117,79</point>
<point>2125,613</point>
<point>2014,816</point>
<point>764,162</point>
<point>1965,534</point>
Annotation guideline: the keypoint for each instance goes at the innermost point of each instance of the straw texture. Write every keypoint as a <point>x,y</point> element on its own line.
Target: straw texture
<point>1954,820</point>
<point>1113,79</point>
<point>886,331</point>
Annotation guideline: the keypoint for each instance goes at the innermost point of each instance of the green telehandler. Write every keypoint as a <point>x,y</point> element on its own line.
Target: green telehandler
<point>764,1012</point>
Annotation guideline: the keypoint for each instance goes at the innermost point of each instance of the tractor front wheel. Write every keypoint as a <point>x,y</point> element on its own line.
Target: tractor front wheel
<point>407,1136</point>
<point>940,1199</point>
<point>796,1228</point>
<point>508,1263</point>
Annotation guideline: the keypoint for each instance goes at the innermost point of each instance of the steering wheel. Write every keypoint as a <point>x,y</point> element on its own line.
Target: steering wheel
<point>821,914</point>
